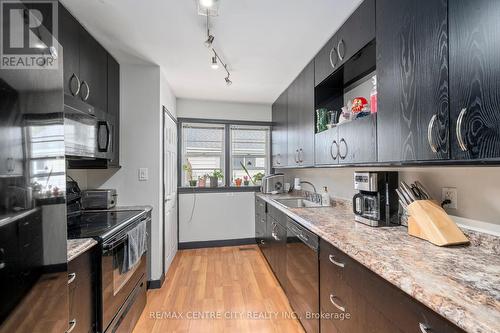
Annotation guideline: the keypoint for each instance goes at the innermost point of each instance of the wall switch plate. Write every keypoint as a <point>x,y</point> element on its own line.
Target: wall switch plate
<point>143,174</point>
<point>450,193</point>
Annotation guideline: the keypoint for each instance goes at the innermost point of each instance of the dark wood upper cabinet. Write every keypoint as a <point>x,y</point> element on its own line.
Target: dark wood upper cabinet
<point>357,141</point>
<point>69,32</point>
<point>301,119</point>
<point>93,71</point>
<point>355,33</point>
<point>475,79</point>
<point>114,108</point>
<point>326,147</point>
<point>412,73</point>
<point>279,133</point>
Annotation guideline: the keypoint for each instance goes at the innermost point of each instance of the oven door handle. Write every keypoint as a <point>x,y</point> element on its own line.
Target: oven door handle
<point>108,246</point>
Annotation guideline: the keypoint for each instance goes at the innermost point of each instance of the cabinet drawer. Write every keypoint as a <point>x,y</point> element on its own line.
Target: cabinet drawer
<point>82,293</point>
<point>335,262</point>
<point>260,207</point>
<point>276,215</point>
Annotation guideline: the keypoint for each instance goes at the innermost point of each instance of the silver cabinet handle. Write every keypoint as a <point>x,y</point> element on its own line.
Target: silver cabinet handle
<point>341,308</point>
<point>336,155</point>
<point>297,156</point>
<point>332,52</point>
<point>74,76</point>
<point>71,277</point>
<point>341,56</point>
<point>303,238</point>
<point>424,328</point>
<point>429,134</point>
<point>72,325</point>
<point>262,221</point>
<point>460,138</point>
<point>331,257</point>
<point>275,236</point>
<point>343,157</point>
<point>86,97</point>
<point>301,154</point>
<point>278,160</point>
<point>262,242</point>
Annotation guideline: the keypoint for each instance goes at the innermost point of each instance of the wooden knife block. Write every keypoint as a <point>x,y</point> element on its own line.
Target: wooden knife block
<point>427,220</point>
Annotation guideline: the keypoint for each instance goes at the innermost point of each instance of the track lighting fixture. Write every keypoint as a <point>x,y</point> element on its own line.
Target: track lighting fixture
<point>215,64</point>
<point>209,41</point>
<point>228,81</point>
<point>206,3</point>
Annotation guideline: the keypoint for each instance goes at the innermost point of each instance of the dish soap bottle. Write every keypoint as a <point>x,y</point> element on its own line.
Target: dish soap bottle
<point>373,95</point>
<point>325,197</point>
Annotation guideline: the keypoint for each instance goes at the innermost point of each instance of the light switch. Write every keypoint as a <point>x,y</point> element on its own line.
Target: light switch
<point>143,174</point>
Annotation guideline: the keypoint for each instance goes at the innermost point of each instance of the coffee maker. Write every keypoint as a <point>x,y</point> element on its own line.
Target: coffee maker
<point>376,204</point>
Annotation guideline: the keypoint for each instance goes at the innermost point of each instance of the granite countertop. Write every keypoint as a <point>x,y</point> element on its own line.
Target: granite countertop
<point>461,283</point>
<point>79,246</point>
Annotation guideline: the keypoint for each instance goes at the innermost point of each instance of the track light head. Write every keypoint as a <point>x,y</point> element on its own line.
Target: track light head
<point>207,3</point>
<point>215,64</point>
<point>209,41</point>
<point>228,81</point>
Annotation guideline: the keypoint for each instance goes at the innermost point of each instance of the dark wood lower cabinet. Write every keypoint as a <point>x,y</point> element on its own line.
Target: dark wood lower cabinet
<point>82,302</point>
<point>359,301</point>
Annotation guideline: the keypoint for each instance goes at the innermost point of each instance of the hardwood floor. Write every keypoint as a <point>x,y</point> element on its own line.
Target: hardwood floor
<point>232,288</point>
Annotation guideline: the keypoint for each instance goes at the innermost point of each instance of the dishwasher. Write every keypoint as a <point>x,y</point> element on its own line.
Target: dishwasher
<point>302,272</point>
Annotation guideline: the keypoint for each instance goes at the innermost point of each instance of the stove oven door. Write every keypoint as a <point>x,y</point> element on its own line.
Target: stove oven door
<point>117,282</point>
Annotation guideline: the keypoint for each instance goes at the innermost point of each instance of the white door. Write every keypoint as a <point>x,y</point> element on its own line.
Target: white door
<point>169,188</point>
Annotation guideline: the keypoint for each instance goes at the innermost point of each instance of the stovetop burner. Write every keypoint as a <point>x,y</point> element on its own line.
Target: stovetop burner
<point>99,224</point>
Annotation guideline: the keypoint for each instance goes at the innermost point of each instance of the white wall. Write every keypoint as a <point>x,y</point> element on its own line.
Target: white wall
<point>478,187</point>
<point>190,108</point>
<point>144,90</point>
<point>216,216</point>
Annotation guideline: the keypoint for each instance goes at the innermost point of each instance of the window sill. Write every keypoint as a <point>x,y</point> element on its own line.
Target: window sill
<point>183,190</point>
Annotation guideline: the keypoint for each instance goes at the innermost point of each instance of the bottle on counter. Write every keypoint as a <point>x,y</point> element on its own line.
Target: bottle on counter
<point>373,95</point>
<point>325,197</point>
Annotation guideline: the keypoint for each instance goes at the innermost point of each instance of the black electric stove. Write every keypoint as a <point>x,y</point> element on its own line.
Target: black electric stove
<point>100,224</point>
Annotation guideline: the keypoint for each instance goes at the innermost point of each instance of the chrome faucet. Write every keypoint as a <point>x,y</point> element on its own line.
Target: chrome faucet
<point>309,183</point>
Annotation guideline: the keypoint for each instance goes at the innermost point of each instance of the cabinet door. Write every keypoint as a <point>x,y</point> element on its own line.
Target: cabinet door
<point>358,141</point>
<point>93,71</point>
<point>69,38</point>
<point>326,61</point>
<point>475,79</point>
<point>305,102</point>
<point>280,254</point>
<point>326,147</point>
<point>412,73</point>
<point>357,31</point>
<point>279,137</point>
<point>114,108</point>
<point>293,127</point>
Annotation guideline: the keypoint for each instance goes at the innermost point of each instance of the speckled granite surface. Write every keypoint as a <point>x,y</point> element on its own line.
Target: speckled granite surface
<point>460,283</point>
<point>79,246</point>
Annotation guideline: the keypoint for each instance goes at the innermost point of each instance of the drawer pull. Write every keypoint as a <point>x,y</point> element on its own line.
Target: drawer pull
<point>341,308</point>
<point>262,221</point>
<point>262,242</point>
<point>424,328</point>
<point>333,261</point>
<point>71,277</point>
<point>72,325</point>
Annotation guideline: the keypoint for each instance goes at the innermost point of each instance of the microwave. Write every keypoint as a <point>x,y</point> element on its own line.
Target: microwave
<point>88,131</point>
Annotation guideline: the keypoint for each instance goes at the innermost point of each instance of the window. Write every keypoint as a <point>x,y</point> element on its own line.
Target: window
<point>225,147</point>
<point>202,150</point>
<point>250,151</point>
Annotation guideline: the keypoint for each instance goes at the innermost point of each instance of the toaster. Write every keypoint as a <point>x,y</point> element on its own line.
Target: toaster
<point>98,199</point>
<point>273,184</point>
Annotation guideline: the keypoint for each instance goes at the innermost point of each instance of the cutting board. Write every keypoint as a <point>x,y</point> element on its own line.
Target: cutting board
<point>430,222</point>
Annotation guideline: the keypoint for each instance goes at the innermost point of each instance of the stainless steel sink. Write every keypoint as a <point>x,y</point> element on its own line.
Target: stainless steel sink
<point>298,203</point>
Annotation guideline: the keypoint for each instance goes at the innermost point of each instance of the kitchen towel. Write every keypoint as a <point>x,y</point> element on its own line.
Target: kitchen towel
<point>136,247</point>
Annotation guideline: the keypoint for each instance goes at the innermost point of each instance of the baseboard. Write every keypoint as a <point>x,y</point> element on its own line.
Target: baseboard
<point>216,243</point>
<point>156,284</point>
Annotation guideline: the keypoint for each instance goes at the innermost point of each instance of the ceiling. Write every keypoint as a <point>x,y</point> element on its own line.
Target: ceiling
<point>265,43</point>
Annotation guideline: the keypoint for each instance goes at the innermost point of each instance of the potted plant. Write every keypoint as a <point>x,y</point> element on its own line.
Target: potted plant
<point>188,169</point>
<point>215,176</point>
<point>202,181</point>
<point>237,182</point>
<point>246,181</point>
<point>257,179</point>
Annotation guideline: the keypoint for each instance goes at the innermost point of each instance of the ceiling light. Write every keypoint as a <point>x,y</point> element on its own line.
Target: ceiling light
<point>209,41</point>
<point>228,81</point>
<point>206,3</point>
<point>215,64</point>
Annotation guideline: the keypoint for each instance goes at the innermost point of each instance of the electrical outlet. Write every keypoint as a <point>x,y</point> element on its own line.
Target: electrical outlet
<point>143,174</point>
<point>450,193</point>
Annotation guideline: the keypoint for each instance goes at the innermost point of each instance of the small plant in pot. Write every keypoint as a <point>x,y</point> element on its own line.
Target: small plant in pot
<point>202,181</point>
<point>246,181</point>
<point>257,178</point>
<point>238,182</point>
<point>215,176</point>
<point>188,169</point>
